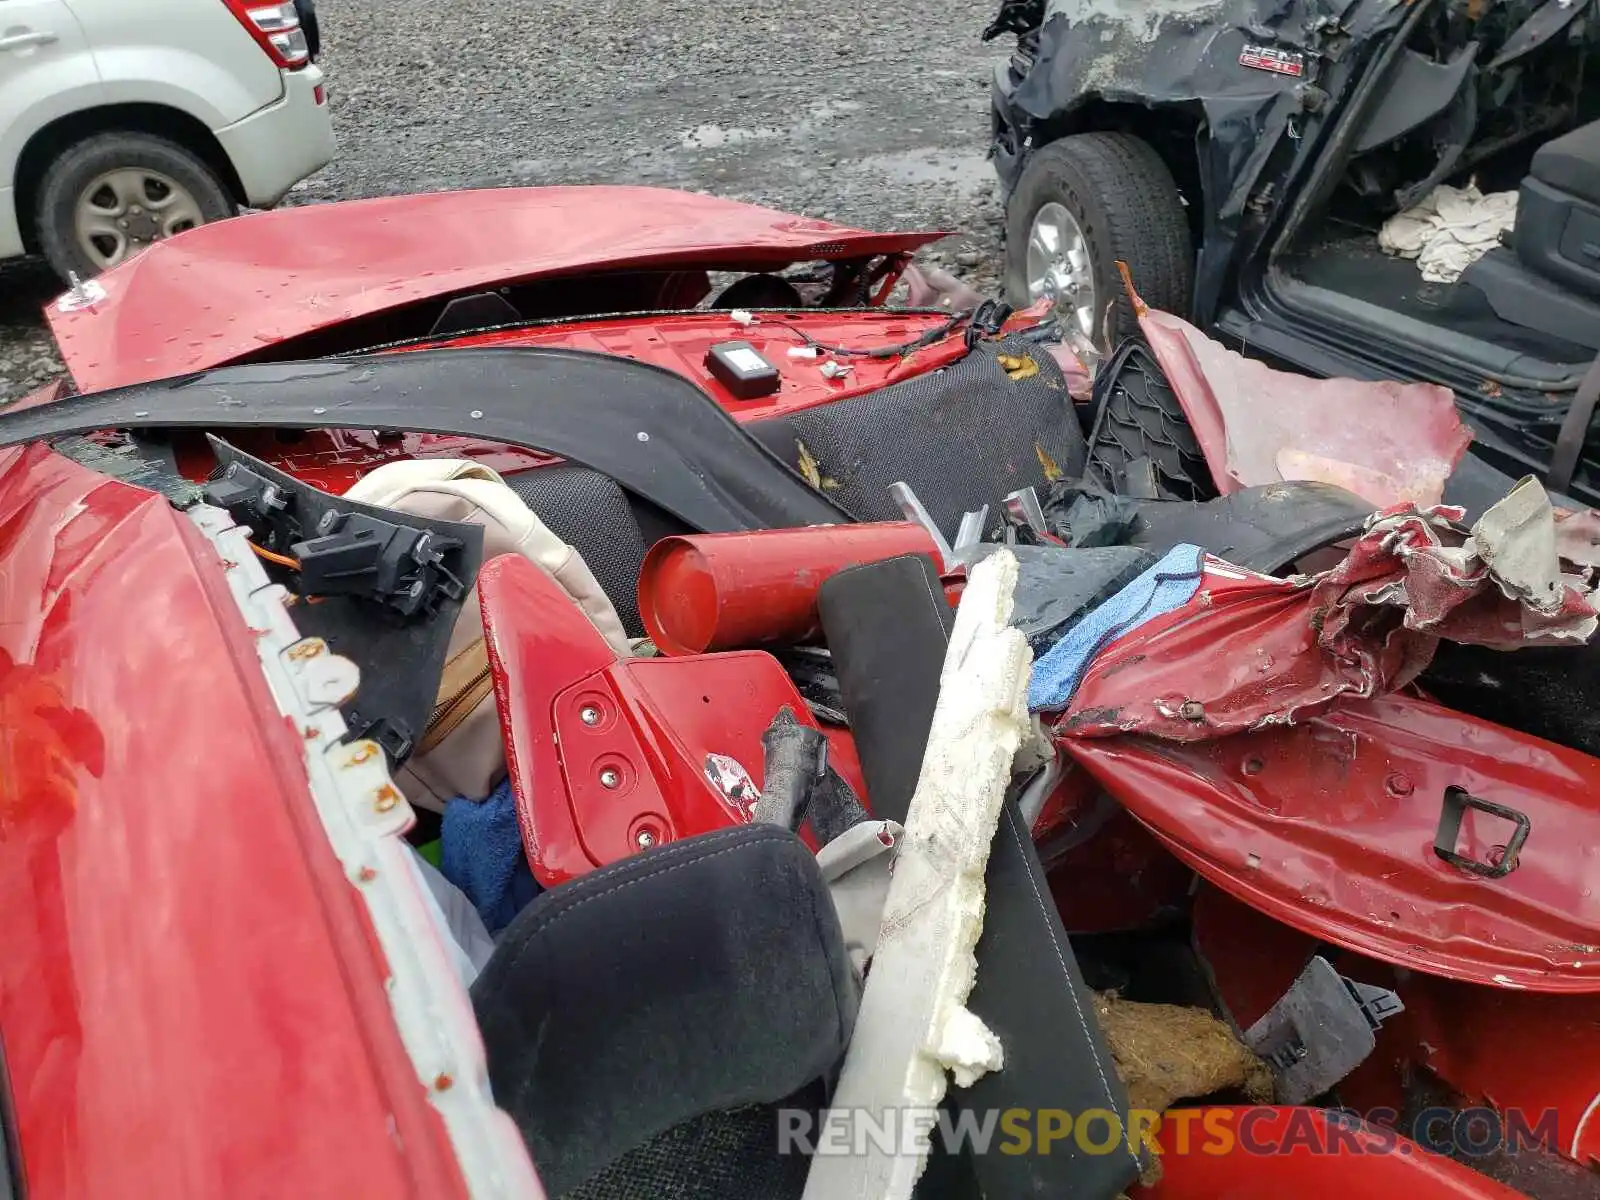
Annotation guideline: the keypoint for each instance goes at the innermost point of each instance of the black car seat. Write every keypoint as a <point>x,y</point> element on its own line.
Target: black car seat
<point>643,1024</point>
<point>1550,280</point>
<point>1558,211</point>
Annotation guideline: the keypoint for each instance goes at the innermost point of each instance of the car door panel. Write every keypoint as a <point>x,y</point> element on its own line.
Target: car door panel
<point>192,55</point>
<point>46,71</point>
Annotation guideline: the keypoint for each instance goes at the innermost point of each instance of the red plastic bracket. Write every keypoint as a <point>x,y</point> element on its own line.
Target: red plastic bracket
<point>608,755</point>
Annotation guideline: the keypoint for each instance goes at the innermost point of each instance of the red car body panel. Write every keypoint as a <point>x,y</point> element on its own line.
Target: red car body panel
<point>191,997</point>
<point>1223,1153</point>
<point>606,752</point>
<point>1329,827</point>
<point>1535,1053</point>
<point>1256,425</point>
<point>679,343</point>
<point>221,293</point>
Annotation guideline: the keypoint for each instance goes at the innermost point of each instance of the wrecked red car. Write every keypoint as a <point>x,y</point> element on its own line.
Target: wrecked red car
<point>602,709</point>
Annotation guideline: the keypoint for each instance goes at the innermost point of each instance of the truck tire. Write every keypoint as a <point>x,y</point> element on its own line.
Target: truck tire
<point>111,195</point>
<point>1113,194</point>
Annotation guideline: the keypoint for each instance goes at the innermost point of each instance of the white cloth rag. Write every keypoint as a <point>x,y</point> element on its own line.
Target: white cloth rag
<point>466,941</point>
<point>1450,230</point>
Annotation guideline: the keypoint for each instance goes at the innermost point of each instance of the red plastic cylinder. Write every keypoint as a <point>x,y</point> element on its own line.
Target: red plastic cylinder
<point>727,591</point>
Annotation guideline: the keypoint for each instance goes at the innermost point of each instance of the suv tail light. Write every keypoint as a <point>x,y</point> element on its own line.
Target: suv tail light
<point>276,28</point>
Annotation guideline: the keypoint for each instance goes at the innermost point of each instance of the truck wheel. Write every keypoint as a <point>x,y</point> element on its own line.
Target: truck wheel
<point>1082,204</point>
<point>1139,417</point>
<point>110,196</point>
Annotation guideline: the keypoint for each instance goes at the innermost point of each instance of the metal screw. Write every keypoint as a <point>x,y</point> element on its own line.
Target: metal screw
<point>645,840</point>
<point>589,715</point>
<point>1398,785</point>
<point>1192,710</point>
<point>476,414</point>
<point>643,436</point>
<point>610,777</point>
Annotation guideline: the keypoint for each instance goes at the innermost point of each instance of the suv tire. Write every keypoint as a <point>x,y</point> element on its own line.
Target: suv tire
<point>67,180</point>
<point>1126,207</point>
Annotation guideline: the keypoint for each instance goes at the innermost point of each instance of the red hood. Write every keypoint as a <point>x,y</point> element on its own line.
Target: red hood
<point>220,293</point>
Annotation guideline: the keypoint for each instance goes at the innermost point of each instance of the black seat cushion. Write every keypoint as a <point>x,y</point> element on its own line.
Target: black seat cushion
<point>1571,163</point>
<point>705,975</point>
<point>611,528</point>
<point>962,436</point>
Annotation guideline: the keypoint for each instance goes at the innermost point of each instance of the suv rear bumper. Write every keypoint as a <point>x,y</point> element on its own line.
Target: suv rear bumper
<point>276,147</point>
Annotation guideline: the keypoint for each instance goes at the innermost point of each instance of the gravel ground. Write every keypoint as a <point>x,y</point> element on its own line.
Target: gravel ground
<point>808,105</point>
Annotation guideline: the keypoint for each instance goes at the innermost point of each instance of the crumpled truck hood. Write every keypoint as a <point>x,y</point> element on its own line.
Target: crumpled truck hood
<point>223,292</point>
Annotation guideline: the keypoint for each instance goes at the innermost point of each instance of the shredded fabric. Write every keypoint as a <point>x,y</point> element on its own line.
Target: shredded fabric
<point>481,853</point>
<point>1450,230</point>
<point>1249,652</point>
<point>1167,586</point>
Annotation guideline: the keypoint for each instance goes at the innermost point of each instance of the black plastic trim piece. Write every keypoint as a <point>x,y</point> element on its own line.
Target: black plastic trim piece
<point>652,431</point>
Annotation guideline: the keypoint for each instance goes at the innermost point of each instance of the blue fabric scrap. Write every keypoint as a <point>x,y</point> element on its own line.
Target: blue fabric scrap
<point>481,853</point>
<point>1167,586</point>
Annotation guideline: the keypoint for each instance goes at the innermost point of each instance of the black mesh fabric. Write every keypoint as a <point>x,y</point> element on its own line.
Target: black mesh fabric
<point>962,437</point>
<point>589,512</point>
<point>728,1155</point>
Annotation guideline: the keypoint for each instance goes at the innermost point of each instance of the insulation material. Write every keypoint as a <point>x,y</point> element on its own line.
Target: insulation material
<point>1165,1053</point>
<point>913,1020</point>
<point>1257,426</point>
<point>1248,652</point>
<point>1450,230</point>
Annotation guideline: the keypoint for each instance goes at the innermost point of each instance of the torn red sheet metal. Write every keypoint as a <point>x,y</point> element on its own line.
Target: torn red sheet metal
<point>1248,651</point>
<point>1257,425</point>
<point>1264,1153</point>
<point>1388,827</point>
<point>225,292</point>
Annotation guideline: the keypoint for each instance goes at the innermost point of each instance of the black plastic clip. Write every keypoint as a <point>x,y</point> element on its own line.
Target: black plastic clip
<point>987,320</point>
<point>247,495</point>
<point>1456,803</point>
<point>1322,1029</point>
<point>360,555</point>
<point>392,736</point>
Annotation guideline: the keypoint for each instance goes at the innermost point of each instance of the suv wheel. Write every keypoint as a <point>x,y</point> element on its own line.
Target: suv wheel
<point>1082,204</point>
<point>112,195</point>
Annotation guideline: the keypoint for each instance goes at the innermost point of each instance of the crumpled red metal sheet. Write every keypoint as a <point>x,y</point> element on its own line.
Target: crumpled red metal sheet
<point>1330,826</point>
<point>1258,426</point>
<point>224,292</point>
<point>1248,651</point>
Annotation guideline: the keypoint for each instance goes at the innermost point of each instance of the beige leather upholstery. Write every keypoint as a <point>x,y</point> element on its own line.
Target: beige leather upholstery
<point>462,753</point>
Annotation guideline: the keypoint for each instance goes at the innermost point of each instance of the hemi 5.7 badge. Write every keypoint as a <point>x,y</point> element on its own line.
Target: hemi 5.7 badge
<point>1269,58</point>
